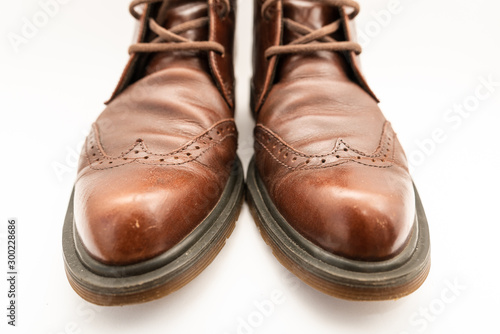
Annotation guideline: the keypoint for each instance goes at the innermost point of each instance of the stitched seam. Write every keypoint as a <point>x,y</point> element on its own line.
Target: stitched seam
<point>191,159</point>
<point>375,154</point>
<point>303,168</point>
<point>167,164</point>
<point>215,66</point>
<point>116,166</point>
<point>272,63</point>
<point>379,147</point>
<point>347,160</point>
<point>142,145</point>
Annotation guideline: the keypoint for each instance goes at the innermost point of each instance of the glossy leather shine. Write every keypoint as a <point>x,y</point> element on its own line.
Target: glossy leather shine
<point>158,157</point>
<point>330,161</point>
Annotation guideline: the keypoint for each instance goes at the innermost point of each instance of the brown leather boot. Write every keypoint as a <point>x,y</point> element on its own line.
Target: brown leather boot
<point>159,184</point>
<point>329,183</point>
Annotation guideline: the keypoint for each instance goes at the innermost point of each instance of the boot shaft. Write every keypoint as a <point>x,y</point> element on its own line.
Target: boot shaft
<point>273,23</point>
<point>172,14</point>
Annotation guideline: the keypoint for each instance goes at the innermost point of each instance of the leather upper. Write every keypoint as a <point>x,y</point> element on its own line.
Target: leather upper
<point>158,157</point>
<point>331,163</point>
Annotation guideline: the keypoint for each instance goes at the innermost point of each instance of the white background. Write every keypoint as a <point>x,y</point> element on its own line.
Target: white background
<point>427,58</point>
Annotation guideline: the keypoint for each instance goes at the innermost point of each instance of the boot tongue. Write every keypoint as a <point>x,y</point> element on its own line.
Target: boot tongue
<point>168,14</point>
<point>315,16</point>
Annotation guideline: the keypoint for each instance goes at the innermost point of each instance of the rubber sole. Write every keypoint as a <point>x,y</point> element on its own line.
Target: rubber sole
<point>121,285</point>
<point>334,275</point>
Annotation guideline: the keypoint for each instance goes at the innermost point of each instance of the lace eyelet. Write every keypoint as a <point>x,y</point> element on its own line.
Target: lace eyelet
<point>269,10</point>
<point>269,13</point>
<point>222,8</point>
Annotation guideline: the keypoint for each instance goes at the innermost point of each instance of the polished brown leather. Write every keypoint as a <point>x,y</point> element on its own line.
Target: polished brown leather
<point>158,157</point>
<point>330,161</point>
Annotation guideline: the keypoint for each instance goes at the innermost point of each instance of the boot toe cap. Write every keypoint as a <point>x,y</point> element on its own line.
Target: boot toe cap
<point>357,212</point>
<point>129,216</point>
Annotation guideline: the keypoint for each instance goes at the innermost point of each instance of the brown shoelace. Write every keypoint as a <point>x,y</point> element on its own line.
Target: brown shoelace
<point>169,39</point>
<point>313,40</point>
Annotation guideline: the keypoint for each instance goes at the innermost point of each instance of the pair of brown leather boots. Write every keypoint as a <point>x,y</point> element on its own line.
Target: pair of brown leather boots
<point>159,188</point>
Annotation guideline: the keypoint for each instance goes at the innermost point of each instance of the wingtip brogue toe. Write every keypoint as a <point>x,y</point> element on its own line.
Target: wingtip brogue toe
<point>159,184</point>
<point>329,183</point>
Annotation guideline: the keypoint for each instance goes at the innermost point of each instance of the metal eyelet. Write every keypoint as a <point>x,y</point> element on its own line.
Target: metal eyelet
<point>222,8</point>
